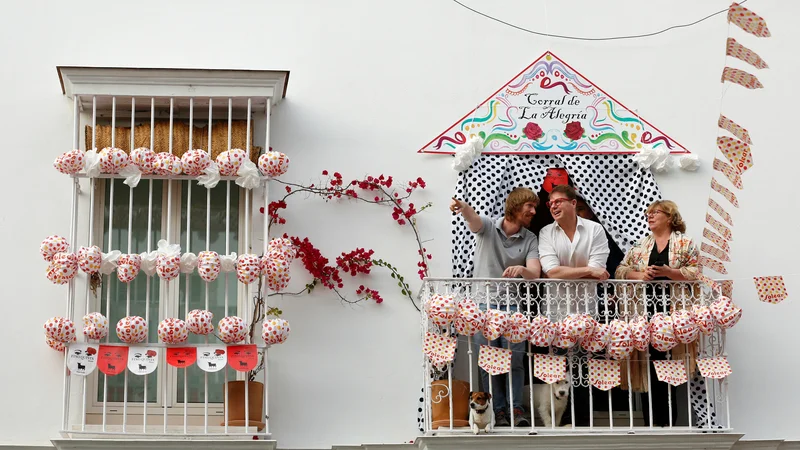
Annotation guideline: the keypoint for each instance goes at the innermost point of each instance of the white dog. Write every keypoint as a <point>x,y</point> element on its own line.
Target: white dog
<point>481,415</point>
<point>543,399</point>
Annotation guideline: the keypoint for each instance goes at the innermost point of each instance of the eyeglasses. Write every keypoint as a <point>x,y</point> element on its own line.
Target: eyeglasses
<point>654,212</point>
<point>556,202</point>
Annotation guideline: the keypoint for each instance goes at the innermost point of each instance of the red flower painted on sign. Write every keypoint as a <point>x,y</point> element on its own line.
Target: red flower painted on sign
<point>573,131</point>
<point>533,131</point>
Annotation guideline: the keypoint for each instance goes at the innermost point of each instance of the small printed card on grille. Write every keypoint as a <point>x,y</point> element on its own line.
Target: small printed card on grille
<point>671,371</point>
<point>494,360</point>
<point>714,367</point>
<point>604,373</point>
<point>770,289</point>
<point>549,368</point>
<point>439,348</point>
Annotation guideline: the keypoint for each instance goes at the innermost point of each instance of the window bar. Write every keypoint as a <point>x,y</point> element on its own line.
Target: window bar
<point>647,356</point>
<point>128,284</point>
<point>488,343</point>
<point>469,348</point>
<point>687,355</point>
<point>267,113</point>
<point>570,359</point>
<point>246,287</point>
<point>588,358</point>
<point>110,248</point>
<point>227,252</point>
<point>664,302</point>
<point>724,385</point>
<point>169,235</point>
<point>89,243</point>
<point>510,371</point>
<point>208,248</point>
<point>628,365</point>
<point>149,243</point>
<point>530,363</point>
<point>552,396</point>
<point>188,283</point>
<point>449,369</point>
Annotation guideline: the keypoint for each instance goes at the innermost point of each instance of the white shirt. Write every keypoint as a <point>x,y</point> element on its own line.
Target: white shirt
<point>589,246</point>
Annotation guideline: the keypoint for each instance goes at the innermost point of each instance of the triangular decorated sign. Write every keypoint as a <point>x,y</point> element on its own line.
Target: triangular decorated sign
<point>551,108</point>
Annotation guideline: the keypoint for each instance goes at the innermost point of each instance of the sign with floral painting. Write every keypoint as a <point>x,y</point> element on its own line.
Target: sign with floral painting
<point>551,108</point>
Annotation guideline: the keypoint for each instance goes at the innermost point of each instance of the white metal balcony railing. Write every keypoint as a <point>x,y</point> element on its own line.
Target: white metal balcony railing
<point>699,405</point>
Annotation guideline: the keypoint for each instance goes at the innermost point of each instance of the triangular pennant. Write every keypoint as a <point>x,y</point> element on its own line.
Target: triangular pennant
<point>734,129</point>
<point>712,264</point>
<point>730,196</point>
<point>440,349</point>
<point>770,289</point>
<point>727,288</point>
<point>549,368</point>
<point>737,152</point>
<point>732,174</point>
<point>181,357</point>
<point>716,239</point>
<point>748,20</point>
<point>717,208</point>
<point>82,358</point>
<point>713,285</point>
<point>715,368</point>
<point>720,227</point>
<point>714,251</point>
<point>739,51</point>
<point>112,359</point>
<point>494,360</point>
<point>604,374</point>
<point>143,360</point>
<point>671,371</point>
<point>741,78</point>
<point>550,108</point>
<point>243,358</point>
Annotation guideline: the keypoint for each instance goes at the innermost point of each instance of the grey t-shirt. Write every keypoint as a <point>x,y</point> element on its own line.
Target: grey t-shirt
<point>494,251</point>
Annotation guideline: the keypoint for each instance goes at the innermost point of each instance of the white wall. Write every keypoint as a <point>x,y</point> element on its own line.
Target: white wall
<point>371,82</point>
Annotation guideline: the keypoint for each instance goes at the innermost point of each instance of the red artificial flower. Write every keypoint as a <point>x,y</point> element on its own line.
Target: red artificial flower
<point>573,131</point>
<point>533,131</point>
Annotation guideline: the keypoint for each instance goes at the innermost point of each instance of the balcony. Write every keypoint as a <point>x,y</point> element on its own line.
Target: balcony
<point>450,318</point>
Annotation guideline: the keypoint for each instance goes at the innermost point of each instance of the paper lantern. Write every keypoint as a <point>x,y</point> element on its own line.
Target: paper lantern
<point>168,266</point>
<point>144,159</point>
<point>640,333</point>
<point>275,331</point>
<point>563,336</point>
<point>725,312</point>
<point>128,267</point>
<point>282,246</point>
<point>59,329</point>
<point>620,344</point>
<point>703,318</point>
<point>232,330</point>
<point>52,245</point>
<point>277,272</point>
<point>662,332</point>
<point>686,330</point>
<point>230,161</point>
<point>598,341</point>
<point>208,265</point>
<point>69,163</point>
<point>95,326</point>
<point>132,329</point>
<point>89,259</point>
<point>167,164</point>
<point>495,324</point>
<point>519,328</point>
<point>542,332</point>
<point>273,164</point>
<point>55,345</point>
<point>194,162</point>
<point>62,268</point>
<point>441,309</point>
<point>248,268</point>
<point>470,318</point>
<point>199,321</point>
<point>112,160</point>
<point>579,326</point>
<point>172,331</point>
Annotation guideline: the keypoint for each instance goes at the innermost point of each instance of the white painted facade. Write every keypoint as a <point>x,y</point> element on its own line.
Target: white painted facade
<point>372,82</point>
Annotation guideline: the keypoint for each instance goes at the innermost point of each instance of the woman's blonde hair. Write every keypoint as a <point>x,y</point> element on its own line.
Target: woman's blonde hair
<point>670,209</point>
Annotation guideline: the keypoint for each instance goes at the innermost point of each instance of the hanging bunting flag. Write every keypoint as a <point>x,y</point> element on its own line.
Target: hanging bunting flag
<point>717,208</point>
<point>604,374</point>
<point>734,129</point>
<point>142,360</point>
<point>770,289</point>
<point>440,349</point>
<point>717,239</point>
<point>748,20</point>
<point>737,152</point>
<point>739,51</point>
<point>112,359</point>
<point>712,264</point>
<point>181,357</point>
<point>713,285</point>
<point>727,288</point>
<point>82,358</point>
<point>671,371</point>
<point>721,229</point>
<point>741,78</point>
<point>549,368</point>
<point>714,367</point>
<point>714,251</point>
<point>494,360</point>
<point>243,358</point>
<point>725,192</point>
<point>729,171</point>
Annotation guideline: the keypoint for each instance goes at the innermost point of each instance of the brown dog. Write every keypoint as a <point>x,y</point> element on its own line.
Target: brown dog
<point>481,414</point>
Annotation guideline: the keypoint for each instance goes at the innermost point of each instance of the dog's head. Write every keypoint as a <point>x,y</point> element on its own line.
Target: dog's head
<point>479,401</point>
<point>561,387</point>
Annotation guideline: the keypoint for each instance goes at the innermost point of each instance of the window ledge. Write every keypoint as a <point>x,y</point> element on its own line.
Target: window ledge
<point>224,443</point>
<point>719,441</point>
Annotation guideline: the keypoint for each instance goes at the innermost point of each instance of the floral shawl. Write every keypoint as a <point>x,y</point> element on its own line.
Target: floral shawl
<point>683,255</point>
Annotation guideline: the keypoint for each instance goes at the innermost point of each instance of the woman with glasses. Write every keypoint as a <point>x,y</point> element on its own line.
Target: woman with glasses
<point>665,255</point>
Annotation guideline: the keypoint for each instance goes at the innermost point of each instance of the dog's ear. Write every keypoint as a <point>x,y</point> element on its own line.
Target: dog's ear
<point>488,396</point>
<point>470,394</point>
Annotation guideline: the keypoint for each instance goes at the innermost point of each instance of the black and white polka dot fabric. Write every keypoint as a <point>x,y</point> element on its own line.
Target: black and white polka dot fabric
<point>614,186</point>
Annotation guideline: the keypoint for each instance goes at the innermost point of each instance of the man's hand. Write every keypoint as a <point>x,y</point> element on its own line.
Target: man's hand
<point>457,205</point>
<point>598,273</point>
<point>513,272</point>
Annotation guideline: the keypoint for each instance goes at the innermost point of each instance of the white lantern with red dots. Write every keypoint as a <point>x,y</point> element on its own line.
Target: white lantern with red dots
<point>620,344</point>
<point>95,326</point>
<point>662,332</point>
<point>69,163</point>
<point>725,312</point>
<point>59,329</point>
<point>495,324</point>
<point>199,321</point>
<point>172,331</point>
<point>273,164</point>
<point>132,329</point>
<point>703,318</point>
<point>640,333</point>
<point>232,330</point>
<point>470,318</point>
<point>598,341</point>
<point>275,331</point>
<point>685,326</point>
<point>519,328</point>
<point>112,160</point>
<point>543,331</point>
<point>441,309</point>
